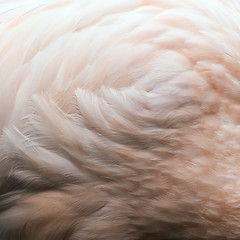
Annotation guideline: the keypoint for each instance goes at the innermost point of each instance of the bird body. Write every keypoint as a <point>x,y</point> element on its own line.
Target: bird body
<point>119,119</point>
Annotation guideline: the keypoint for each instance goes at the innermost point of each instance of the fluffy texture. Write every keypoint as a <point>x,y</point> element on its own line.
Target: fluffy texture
<point>119,119</point>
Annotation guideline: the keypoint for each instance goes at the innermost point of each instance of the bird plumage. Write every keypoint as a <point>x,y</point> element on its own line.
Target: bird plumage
<point>119,119</point>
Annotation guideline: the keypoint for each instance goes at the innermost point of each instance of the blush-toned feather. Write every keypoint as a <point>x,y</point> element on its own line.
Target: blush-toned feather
<point>119,120</point>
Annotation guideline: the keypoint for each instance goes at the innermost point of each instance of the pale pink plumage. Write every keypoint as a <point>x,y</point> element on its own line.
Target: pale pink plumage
<point>119,119</point>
